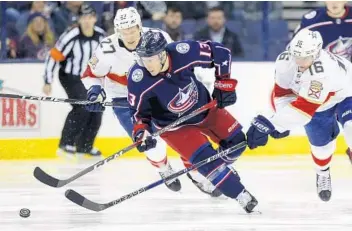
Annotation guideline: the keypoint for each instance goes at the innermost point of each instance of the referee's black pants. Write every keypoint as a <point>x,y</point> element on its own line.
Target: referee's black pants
<point>81,126</point>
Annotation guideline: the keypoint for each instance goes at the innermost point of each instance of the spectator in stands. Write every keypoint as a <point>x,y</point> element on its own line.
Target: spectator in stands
<point>216,31</point>
<point>190,10</point>
<point>65,16</point>
<point>172,23</point>
<point>36,7</point>
<point>154,10</point>
<point>38,38</point>
<point>12,51</point>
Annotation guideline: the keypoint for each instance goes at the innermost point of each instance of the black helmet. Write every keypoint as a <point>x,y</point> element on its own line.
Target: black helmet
<point>86,9</point>
<point>152,43</point>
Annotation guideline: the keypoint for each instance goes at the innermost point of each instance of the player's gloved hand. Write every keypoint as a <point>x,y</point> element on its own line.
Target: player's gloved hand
<point>224,92</point>
<point>279,135</point>
<point>259,131</point>
<point>97,95</point>
<point>141,133</point>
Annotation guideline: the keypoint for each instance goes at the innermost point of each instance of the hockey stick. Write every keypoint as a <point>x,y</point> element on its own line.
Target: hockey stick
<point>60,100</point>
<point>88,204</point>
<point>56,183</point>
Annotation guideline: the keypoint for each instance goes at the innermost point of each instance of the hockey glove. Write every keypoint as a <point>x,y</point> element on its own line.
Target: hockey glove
<point>141,133</point>
<point>97,95</point>
<point>224,92</point>
<point>259,131</point>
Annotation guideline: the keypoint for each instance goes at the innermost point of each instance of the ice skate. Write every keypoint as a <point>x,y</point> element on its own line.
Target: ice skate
<point>205,186</point>
<point>247,201</point>
<point>174,184</point>
<point>324,185</point>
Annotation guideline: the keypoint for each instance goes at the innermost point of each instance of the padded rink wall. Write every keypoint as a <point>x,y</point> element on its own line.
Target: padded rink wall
<point>31,129</point>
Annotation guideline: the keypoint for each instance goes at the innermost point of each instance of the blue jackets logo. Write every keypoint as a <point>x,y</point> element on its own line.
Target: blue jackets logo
<point>184,100</point>
<point>341,46</point>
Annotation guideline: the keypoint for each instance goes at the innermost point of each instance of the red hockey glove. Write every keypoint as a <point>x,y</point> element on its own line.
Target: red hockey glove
<point>224,92</point>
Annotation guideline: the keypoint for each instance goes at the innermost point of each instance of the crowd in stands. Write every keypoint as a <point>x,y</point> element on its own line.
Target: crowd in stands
<point>33,27</point>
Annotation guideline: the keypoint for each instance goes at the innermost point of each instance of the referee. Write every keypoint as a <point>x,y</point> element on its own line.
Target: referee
<point>71,53</point>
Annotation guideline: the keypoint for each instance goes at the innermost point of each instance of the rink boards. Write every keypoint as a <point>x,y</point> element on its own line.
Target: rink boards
<point>31,129</point>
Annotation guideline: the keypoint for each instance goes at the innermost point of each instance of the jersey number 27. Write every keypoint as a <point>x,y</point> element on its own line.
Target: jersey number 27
<point>107,47</point>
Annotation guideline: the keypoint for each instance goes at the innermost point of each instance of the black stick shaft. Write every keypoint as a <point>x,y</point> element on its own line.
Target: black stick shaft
<point>57,100</point>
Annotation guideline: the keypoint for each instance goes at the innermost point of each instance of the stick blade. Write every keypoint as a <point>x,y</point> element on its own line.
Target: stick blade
<point>47,179</point>
<point>80,200</point>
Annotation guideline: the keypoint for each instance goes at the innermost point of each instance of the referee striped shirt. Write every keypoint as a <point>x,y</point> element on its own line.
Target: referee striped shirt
<point>72,52</point>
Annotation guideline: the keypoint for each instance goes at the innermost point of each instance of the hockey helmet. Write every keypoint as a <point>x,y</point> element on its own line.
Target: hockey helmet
<point>126,18</point>
<point>306,43</point>
<point>152,43</point>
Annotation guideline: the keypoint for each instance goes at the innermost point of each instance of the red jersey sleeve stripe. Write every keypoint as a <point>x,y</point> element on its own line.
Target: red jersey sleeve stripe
<point>88,73</point>
<point>280,92</point>
<point>303,105</point>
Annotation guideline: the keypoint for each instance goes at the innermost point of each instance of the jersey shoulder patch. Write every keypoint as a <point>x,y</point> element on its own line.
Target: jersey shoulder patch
<point>138,76</point>
<point>182,48</point>
<point>313,17</point>
<point>310,15</point>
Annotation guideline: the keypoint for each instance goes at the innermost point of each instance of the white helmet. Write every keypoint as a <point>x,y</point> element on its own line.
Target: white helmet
<point>306,43</point>
<point>126,18</point>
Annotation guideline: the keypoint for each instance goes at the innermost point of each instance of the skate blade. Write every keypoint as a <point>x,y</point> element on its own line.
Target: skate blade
<point>255,212</point>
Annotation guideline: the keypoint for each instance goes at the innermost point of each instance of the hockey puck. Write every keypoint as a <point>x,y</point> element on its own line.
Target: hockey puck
<point>25,213</point>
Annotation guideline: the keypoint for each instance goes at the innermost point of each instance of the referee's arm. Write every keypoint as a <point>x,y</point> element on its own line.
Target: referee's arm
<point>57,54</point>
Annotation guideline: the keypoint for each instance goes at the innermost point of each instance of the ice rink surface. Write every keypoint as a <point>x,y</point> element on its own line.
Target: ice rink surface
<point>284,187</point>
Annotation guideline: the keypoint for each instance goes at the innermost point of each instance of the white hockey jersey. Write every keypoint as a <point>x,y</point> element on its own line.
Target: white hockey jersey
<point>109,65</point>
<point>298,95</point>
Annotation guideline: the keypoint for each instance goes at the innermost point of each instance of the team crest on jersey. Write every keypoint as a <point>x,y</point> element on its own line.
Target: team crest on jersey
<point>341,46</point>
<point>315,89</point>
<point>182,48</point>
<point>137,75</point>
<point>93,61</point>
<point>184,100</point>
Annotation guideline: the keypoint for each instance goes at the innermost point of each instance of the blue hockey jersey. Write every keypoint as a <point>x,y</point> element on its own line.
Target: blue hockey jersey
<point>164,98</point>
<point>336,32</point>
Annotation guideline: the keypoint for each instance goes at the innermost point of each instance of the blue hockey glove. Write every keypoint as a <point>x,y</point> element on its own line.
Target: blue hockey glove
<point>97,95</point>
<point>224,92</point>
<point>259,131</point>
<point>141,133</point>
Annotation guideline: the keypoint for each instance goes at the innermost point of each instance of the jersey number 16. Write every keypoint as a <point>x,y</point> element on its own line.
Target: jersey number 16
<point>317,66</point>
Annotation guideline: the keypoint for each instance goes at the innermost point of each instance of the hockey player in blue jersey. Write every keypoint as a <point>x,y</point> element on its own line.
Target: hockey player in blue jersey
<point>162,87</point>
<point>334,22</point>
<point>106,75</point>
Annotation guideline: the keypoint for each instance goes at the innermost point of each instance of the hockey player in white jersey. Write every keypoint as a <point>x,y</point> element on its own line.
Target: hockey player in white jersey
<point>312,89</point>
<point>107,72</point>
